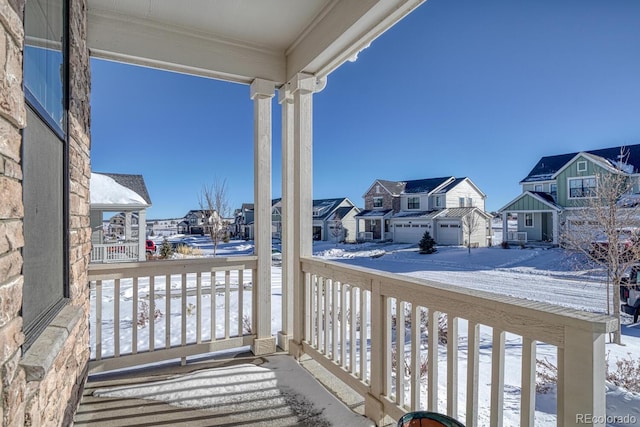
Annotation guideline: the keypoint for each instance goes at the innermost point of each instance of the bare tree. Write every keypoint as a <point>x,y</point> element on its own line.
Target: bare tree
<point>604,227</point>
<point>214,204</point>
<point>470,224</point>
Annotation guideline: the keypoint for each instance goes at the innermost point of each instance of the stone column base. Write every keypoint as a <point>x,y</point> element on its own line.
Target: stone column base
<point>283,340</point>
<point>373,409</point>
<point>263,346</point>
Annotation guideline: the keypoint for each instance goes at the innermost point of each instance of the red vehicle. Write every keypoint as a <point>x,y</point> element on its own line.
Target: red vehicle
<point>150,247</point>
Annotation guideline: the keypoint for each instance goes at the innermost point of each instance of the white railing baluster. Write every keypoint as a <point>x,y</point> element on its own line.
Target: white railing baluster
<point>327,317</point>
<point>116,318</point>
<point>353,329</point>
<point>528,395</point>
<point>343,325</point>
<point>227,304</point>
<point>167,307</point>
<point>212,308</point>
<point>472,374</point>
<point>497,377</point>
<point>432,362</point>
<point>400,352</point>
<point>98,324</point>
<point>363,335</point>
<point>335,321</point>
<point>240,302</point>
<point>152,313</point>
<point>183,311</point>
<point>134,317</point>
<point>198,307</point>
<point>415,358</point>
<point>452,366</point>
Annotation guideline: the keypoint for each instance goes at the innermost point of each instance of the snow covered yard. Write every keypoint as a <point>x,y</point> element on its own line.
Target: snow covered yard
<point>553,276</point>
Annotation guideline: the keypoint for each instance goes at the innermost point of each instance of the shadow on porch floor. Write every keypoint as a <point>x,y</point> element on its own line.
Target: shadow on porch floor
<point>288,395</point>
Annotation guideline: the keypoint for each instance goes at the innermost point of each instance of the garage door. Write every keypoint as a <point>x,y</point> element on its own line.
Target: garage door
<point>408,233</point>
<point>448,233</point>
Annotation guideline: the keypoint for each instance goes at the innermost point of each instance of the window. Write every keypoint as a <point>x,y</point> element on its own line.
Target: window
<point>553,190</point>
<point>528,220</point>
<point>438,201</point>
<point>45,166</point>
<point>377,202</point>
<point>413,203</point>
<point>582,166</point>
<point>537,187</point>
<point>582,187</point>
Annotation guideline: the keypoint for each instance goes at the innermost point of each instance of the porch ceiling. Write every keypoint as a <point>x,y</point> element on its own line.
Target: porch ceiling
<point>239,40</point>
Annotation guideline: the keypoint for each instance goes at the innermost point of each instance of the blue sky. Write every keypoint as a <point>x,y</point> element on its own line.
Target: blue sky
<point>459,88</point>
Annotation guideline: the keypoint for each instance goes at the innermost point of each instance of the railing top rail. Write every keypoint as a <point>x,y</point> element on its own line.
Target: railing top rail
<point>539,320</point>
<point>163,267</point>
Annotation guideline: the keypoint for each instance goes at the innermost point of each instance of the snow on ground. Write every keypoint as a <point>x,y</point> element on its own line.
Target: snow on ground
<point>548,275</point>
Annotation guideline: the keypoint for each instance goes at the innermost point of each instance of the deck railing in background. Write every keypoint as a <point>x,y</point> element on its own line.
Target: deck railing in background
<point>399,342</point>
<point>159,310</point>
<point>115,252</point>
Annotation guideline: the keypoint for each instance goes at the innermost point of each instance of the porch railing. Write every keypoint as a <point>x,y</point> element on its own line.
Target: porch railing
<point>517,236</point>
<point>365,236</point>
<point>115,252</point>
<point>159,310</point>
<point>409,344</point>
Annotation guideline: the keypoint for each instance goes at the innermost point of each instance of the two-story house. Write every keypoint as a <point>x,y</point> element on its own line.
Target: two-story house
<point>403,210</point>
<point>561,184</point>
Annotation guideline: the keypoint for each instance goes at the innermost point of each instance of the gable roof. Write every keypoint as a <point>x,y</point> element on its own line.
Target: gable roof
<point>132,182</point>
<point>548,166</point>
<point>327,206</point>
<point>426,185</point>
<point>535,201</point>
<point>118,191</point>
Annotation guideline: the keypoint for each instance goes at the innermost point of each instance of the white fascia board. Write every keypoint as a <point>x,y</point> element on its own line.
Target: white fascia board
<point>135,41</point>
<point>117,207</point>
<point>342,30</point>
<point>441,186</point>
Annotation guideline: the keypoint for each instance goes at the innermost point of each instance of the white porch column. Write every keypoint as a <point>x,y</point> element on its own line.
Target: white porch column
<point>302,87</point>
<point>556,229</point>
<point>285,98</point>
<point>142,235</point>
<point>127,226</point>
<point>261,93</point>
<point>505,226</point>
<point>357,228</point>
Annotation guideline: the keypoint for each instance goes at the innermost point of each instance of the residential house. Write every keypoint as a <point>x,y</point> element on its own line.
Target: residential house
<point>127,195</point>
<point>334,220</point>
<point>243,228</point>
<point>272,46</point>
<point>402,211</point>
<point>196,221</point>
<point>558,185</point>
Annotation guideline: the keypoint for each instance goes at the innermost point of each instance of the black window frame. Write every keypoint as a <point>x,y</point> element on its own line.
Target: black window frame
<point>413,202</point>
<point>33,329</point>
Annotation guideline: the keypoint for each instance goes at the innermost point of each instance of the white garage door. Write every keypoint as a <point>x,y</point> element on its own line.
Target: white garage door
<point>408,233</point>
<point>448,233</point>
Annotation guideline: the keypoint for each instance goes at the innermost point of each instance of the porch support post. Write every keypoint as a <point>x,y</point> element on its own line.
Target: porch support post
<point>261,93</point>
<point>127,226</point>
<point>505,226</point>
<point>285,98</point>
<point>142,234</point>
<point>302,87</point>
<point>357,228</point>
<point>581,378</point>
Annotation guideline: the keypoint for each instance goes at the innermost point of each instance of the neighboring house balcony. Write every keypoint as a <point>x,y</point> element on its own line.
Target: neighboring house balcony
<point>351,321</point>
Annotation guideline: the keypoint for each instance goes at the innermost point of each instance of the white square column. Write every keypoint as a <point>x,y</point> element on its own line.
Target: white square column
<point>302,87</point>
<point>285,98</point>
<point>262,91</point>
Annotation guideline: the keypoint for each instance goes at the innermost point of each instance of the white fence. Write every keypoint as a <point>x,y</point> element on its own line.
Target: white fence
<point>385,336</point>
<point>159,310</point>
<point>115,252</point>
<point>517,236</point>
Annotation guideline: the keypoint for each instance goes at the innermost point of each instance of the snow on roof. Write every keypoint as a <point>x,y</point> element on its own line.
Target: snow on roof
<point>106,191</point>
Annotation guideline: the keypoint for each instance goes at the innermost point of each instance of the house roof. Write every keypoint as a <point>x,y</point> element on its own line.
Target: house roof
<point>462,212</point>
<point>373,213</point>
<point>342,211</point>
<point>548,166</point>
<point>426,185</point>
<point>535,201</point>
<point>118,192</point>
<point>325,207</point>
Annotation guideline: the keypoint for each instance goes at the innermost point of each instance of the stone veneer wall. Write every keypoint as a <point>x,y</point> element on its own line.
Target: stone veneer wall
<point>42,386</point>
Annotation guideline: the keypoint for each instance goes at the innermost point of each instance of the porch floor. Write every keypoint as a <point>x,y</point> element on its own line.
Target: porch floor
<point>306,400</point>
